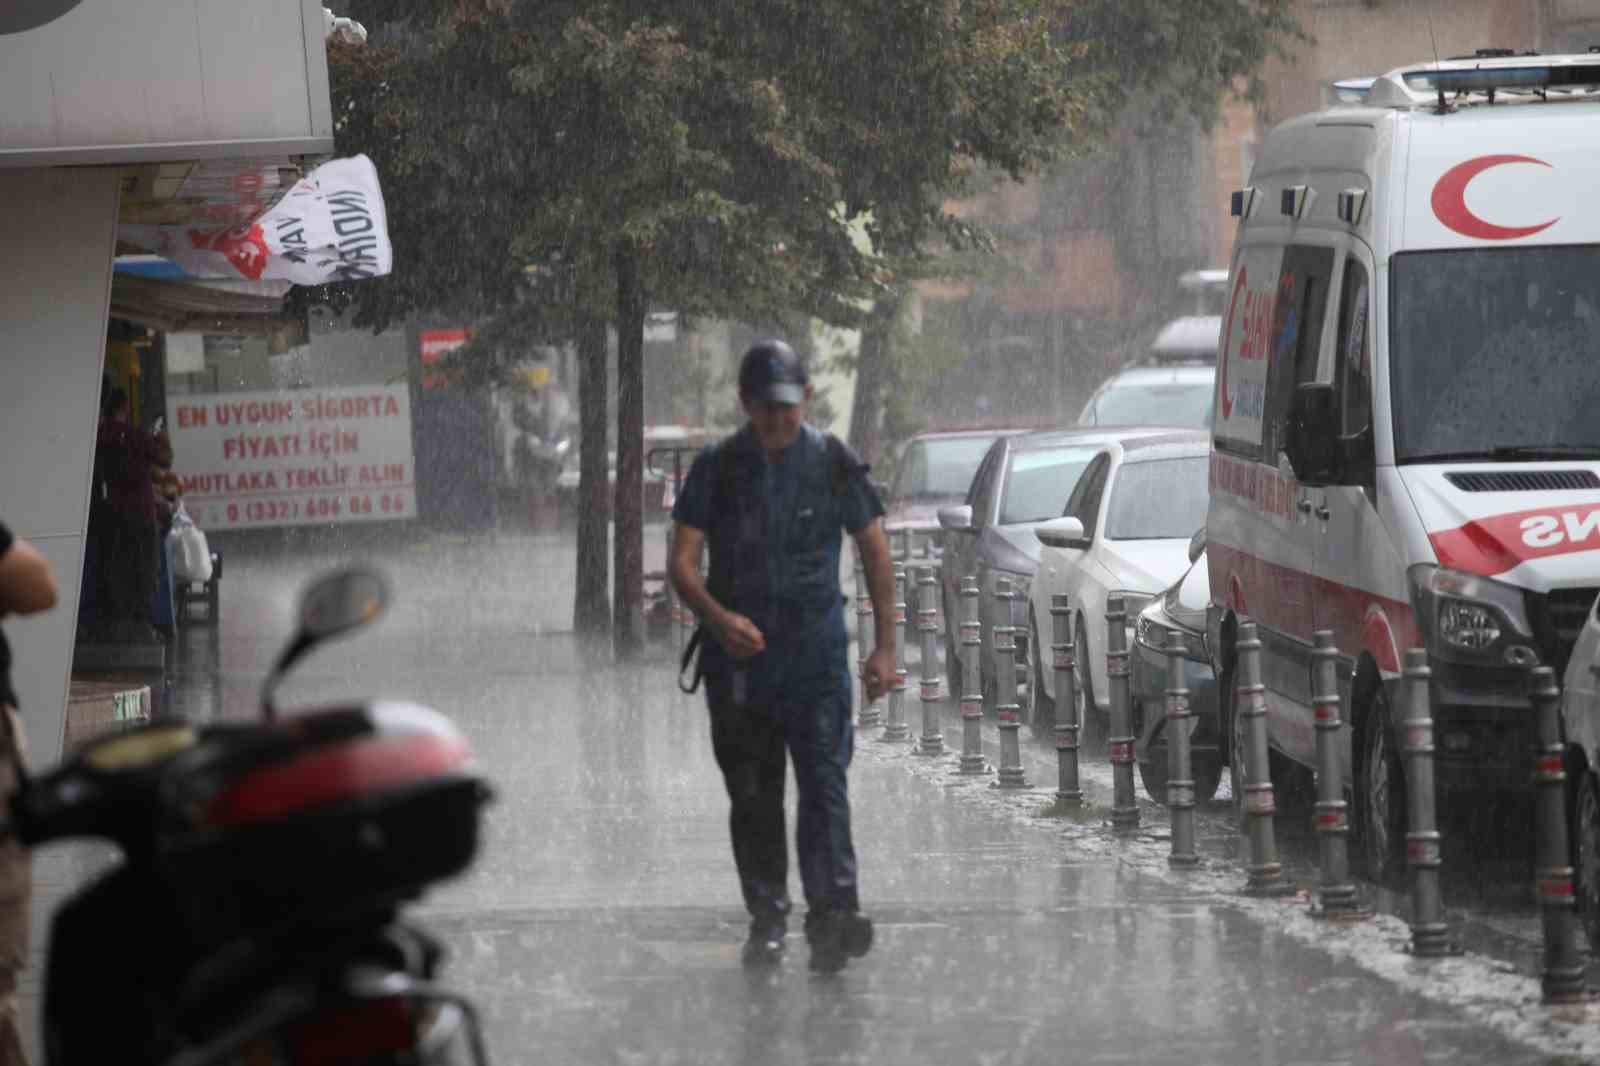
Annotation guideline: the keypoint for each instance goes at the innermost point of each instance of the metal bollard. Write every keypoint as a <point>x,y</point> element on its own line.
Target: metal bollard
<point>871,715</point>
<point>972,760</point>
<point>1070,791</point>
<point>1265,871</point>
<point>1335,892</point>
<point>1005,683</point>
<point>928,625</point>
<point>1563,955</point>
<point>895,728</point>
<point>1124,801</point>
<point>1180,765</point>
<point>1430,936</point>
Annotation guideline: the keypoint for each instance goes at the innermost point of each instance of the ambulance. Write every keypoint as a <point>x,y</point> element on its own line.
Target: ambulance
<point>1406,421</point>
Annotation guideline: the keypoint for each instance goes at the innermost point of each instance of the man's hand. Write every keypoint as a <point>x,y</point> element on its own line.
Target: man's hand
<point>739,635</point>
<point>879,672</point>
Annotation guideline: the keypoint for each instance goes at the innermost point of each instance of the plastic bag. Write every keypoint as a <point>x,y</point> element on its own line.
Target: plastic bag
<point>191,555</point>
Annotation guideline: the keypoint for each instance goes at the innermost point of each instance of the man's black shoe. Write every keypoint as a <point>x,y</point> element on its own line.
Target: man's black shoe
<point>836,938</point>
<point>765,946</point>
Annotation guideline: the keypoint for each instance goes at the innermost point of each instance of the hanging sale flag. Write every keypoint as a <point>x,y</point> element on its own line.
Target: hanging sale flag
<point>330,226</point>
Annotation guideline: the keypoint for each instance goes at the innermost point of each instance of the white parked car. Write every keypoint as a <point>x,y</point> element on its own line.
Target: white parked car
<point>1580,720</point>
<point>1170,395</point>
<point>1126,529</point>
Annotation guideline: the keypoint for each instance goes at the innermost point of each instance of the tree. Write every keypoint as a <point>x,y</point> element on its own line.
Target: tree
<point>577,161</point>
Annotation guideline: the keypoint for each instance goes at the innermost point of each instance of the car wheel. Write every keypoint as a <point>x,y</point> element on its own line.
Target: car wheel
<point>1153,773</point>
<point>1381,796</point>
<point>952,652</point>
<point>1091,731</point>
<point>1586,854</point>
<point>1041,705</point>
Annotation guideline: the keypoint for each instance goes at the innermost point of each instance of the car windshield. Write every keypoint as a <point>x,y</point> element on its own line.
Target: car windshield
<point>1162,499</point>
<point>939,468</point>
<point>1496,353</point>
<point>1151,404</point>
<point>1039,482</point>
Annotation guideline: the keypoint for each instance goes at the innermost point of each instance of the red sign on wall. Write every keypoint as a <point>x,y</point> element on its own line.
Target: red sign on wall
<point>435,343</point>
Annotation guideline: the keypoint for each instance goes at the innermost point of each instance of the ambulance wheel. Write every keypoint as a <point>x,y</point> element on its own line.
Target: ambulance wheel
<point>1381,795</point>
<point>1288,791</point>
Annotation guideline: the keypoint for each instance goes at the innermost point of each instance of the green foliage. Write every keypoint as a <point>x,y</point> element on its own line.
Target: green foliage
<point>724,144</point>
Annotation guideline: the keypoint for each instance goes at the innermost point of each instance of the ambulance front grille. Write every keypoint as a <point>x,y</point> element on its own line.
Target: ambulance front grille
<point>1524,480</point>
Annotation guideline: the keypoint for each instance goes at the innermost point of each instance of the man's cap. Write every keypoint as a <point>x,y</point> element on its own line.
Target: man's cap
<point>771,372</point>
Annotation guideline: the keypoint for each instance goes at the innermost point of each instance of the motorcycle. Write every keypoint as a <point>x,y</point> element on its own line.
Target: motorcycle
<point>256,915</point>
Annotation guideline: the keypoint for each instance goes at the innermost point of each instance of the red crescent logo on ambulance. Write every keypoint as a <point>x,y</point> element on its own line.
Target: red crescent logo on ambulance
<point>1450,200</point>
<point>1227,334</point>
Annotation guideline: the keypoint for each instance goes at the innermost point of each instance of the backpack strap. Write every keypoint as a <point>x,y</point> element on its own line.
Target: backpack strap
<point>691,654</point>
<point>844,463</point>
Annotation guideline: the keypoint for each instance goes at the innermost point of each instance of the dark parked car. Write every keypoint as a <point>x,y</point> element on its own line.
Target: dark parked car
<point>1181,610</point>
<point>935,469</point>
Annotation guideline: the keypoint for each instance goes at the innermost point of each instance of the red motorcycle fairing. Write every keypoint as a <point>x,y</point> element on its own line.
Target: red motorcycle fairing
<point>406,746</point>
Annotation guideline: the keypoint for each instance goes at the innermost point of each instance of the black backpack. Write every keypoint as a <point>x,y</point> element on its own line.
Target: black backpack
<point>844,463</point>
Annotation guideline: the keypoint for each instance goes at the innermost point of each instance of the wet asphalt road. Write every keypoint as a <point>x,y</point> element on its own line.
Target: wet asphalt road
<point>602,922</point>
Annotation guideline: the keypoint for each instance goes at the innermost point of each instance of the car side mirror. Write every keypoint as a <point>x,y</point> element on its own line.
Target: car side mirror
<point>1197,544</point>
<point>1064,532</point>
<point>1313,444</point>
<point>957,518</point>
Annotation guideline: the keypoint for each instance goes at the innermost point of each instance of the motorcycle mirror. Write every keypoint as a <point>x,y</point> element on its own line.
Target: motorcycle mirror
<point>339,602</point>
<point>333,604</point>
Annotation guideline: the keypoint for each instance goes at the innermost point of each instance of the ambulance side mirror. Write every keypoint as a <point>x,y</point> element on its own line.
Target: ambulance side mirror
<point>1358,459</point>
<point>1313,444</point>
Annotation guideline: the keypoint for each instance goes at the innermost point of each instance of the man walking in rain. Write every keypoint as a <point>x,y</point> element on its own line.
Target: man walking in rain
<point>770,501</point>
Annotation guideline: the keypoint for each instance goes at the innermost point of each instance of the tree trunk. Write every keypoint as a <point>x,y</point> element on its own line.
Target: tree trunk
<point>591,608</point>
<point>866,408</point>
<point>627,629</point>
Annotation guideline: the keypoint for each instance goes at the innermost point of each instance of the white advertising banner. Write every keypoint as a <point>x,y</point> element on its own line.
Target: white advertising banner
<point>250,459</point>
<point>330,226</point>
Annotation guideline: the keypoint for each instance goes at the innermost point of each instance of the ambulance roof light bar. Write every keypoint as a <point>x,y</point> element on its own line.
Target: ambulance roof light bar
<point>1352,90</point>
<point>1499,73</point>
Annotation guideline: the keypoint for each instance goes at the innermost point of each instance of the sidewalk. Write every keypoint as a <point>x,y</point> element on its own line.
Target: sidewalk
<point>604,924</point>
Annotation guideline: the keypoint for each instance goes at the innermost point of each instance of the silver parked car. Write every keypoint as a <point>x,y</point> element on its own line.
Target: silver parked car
<point>1023,480</point>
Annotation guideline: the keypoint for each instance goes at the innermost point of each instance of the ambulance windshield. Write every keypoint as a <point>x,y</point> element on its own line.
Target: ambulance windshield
<point>1495,354</point>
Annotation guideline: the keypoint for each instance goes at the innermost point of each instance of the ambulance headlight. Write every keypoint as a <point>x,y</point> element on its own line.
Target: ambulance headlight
<point>1471,619</point>
<point>1468,625</point>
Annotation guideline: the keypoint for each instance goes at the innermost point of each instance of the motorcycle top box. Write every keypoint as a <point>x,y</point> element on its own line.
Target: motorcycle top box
<point>326,813</point>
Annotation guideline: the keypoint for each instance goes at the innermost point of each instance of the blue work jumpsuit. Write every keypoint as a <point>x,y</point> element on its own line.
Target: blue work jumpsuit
<point>773,526</point>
